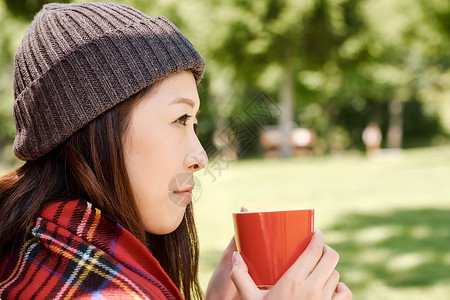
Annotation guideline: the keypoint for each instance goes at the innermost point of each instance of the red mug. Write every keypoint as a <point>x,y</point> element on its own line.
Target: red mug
<point>271,241</point>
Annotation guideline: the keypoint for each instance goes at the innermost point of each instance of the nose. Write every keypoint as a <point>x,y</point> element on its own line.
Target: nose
<point>197,159</point>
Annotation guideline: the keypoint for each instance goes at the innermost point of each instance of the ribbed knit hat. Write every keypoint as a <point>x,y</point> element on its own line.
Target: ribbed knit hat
<point>78,60</point>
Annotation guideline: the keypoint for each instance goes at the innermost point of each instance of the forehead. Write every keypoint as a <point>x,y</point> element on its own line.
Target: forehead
<point>175,89</point>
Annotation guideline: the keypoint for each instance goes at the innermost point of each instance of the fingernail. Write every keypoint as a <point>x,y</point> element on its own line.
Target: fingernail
<point>235,258</point>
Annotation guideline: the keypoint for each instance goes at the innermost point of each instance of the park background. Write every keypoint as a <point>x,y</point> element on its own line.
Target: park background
<point>330,66</point>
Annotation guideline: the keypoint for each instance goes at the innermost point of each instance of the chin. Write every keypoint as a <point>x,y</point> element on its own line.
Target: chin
<point>166,228</point>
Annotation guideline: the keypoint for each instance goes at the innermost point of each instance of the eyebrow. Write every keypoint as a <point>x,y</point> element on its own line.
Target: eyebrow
<point>187,101</point>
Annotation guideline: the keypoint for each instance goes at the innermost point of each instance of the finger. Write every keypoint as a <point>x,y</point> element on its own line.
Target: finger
<point>330,286</point>
<point>243,209</point>
<point>307,261</point>
<point>228,252</point>
<point>342,292</point>
<point>244,283</point>
<point>220,280</point>
<point>325,266</point>
<point>231,245</point>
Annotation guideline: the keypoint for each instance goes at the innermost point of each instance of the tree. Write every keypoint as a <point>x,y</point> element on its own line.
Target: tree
<point>325,53</point>
<point>404,52</point>
<point>300,49</point>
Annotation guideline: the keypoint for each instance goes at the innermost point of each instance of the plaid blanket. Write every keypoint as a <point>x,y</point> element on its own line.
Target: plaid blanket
<point>74,252</point>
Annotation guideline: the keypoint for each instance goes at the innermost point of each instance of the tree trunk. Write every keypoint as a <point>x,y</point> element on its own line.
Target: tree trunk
<point>395,130</point>
<point>287,110</point>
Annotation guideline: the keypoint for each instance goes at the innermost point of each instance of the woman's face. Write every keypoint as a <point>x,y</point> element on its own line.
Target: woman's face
<point>162,151</point>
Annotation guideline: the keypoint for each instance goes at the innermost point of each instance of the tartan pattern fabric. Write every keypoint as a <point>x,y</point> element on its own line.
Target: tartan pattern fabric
<point>74,252</point>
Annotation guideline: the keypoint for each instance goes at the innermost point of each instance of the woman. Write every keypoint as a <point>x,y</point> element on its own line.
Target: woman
<point>105,111</point>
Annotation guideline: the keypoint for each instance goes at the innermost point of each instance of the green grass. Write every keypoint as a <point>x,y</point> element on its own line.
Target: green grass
<point>389,216</point>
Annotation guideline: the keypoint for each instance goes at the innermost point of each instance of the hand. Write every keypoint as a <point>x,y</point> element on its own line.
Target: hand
<point>312,277</point>
<point>220,285</point>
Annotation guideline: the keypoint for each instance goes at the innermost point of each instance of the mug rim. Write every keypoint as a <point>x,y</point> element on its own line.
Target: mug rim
<point>270,211</point>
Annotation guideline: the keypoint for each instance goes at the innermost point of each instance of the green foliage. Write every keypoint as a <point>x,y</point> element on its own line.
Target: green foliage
<point>12,31</point>
<point>342,52</point>
<point>348,59</point>
<point>420,129</point>
<point>26,9</point>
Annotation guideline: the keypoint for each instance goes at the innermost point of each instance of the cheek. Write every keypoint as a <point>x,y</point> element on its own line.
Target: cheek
<point>152,159</point>
<point>152,162</point>
<point>144,159</point>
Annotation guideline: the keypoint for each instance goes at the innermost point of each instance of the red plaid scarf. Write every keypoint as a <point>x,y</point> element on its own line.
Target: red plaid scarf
<point>75,252</point>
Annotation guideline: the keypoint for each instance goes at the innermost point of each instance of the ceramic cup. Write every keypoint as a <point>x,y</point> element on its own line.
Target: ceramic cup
<point>271,241</point>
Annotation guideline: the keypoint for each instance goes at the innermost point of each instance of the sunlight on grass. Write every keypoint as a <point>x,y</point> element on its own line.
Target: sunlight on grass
<point>446,259</point>
<point>372,256</point>
<point>408,261</point>
<point>420,232</point>
<point>374,235</point>
<point>387,216</point>
<point>378,290</point>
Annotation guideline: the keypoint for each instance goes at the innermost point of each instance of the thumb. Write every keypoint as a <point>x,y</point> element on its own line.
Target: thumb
<point>241,279</point>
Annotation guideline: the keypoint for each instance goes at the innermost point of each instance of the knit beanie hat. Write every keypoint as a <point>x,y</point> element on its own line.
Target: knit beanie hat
<point>78,60</point>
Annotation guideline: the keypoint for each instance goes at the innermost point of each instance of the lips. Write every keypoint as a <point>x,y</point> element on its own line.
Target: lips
<point>185,193</point>
<point>186,190</point>
<point>183,197</point>
<point>181,189</point>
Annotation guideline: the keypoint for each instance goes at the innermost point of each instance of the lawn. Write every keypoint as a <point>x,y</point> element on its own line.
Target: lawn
<point>388,216</point>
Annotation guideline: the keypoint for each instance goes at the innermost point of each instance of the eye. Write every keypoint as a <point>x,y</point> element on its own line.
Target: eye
<point>183,120</point>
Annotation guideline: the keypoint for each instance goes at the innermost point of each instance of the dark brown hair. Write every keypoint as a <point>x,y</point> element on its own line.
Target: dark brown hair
<point>90,164</point>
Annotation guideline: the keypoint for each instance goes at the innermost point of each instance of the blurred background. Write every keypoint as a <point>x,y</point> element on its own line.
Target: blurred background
<point>340,105</point>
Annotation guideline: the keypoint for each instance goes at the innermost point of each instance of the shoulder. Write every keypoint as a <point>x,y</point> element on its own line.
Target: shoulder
<point>72,251</point>
<point>78,271</point>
